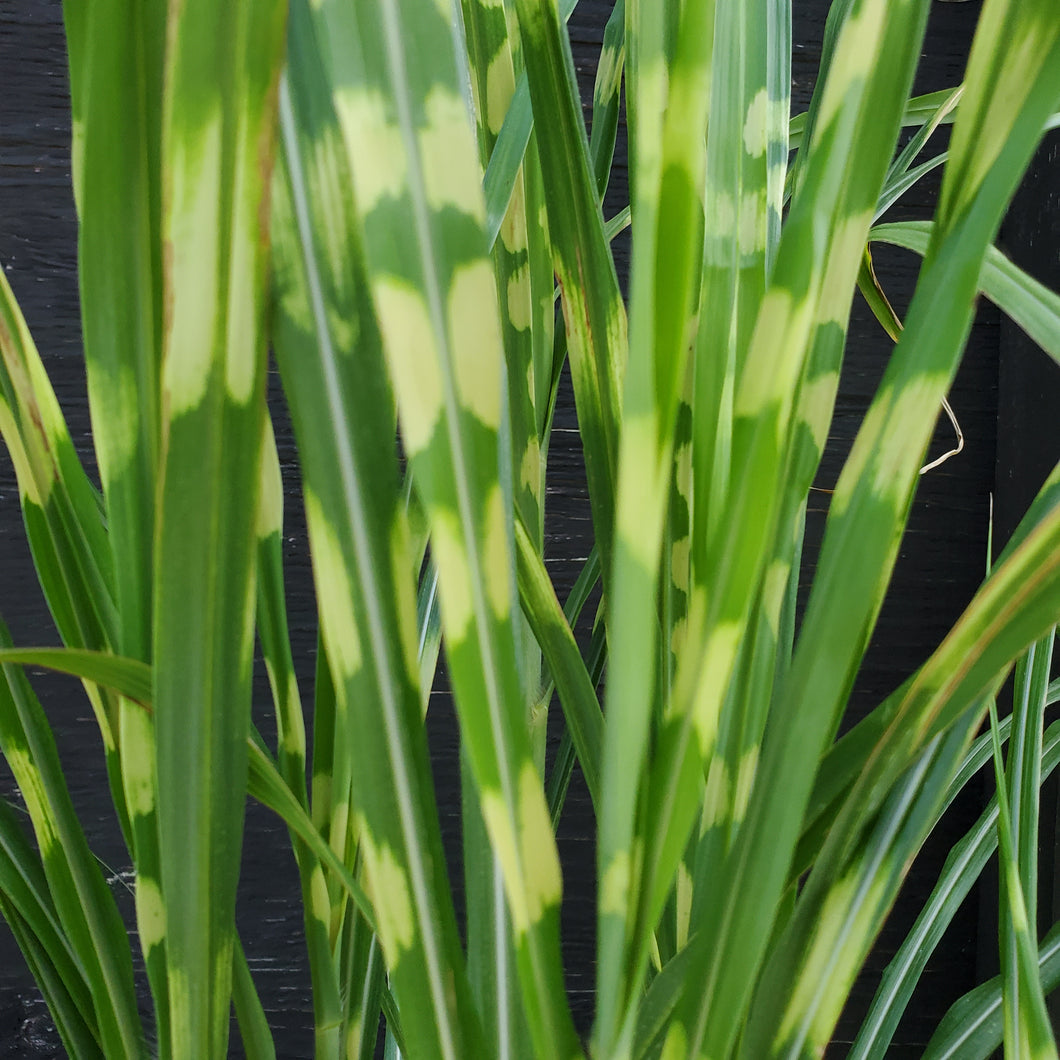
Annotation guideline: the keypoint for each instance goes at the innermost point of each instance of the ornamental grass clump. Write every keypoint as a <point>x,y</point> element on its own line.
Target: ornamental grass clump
<point>393,195</point>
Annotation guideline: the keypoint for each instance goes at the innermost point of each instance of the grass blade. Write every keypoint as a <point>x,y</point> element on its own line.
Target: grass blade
<point>669,167</point>
<point>851,86</point>
<point>746,158</point>
<point>131,678</point>
<point>127,677</point>
<point>359,540</point>
<point>222,66</point>
<point>971,663</point>
<point>63,516</point>
<point>61,508</point>
<point>918,111</point>
<point>495,58</point>
<point>1026,1022</point>
<point>1031,305</point>
<point>900,175</point>
<point>592,304</point>
<point>502,170</point>
<point>962,869</point>
<point>267,786</point>
<point>972,1028</point>
<point>116,73</point>
<point>117,80</point>
<point>607,97</point>
<point>26,904</point>
<point>253,1023</point>
<point>405,92</point>
<point>576,689</point>
<point>291,740</point>
<point>84,905</point>
<point>523,270</point>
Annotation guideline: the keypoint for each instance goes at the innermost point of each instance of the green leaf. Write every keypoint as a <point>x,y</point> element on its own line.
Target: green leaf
<point>593,312</point>
<point>26,904</point>
<point>918,111</point>
<point>839,911</point>
<point>669,166</point>
<point>395,72</point>
<point>794,342</point>
<point>576,689</point>
<point>659,1004</point>
<point>291,740</point>
<point>1026,1019</point>
<point>222,68</point>
<point>1034,307</point>
<point>506,157</point>
<point>63,516</point>
<point>972,1028</point>
<point>128,677</point>
<point>64,524</point>
<point>1027,1031</point>
<point>84,906</point>
<point>971,662</point>
<point>253,1023</point>
<point>961,871</point>
<point>266,785</point>
<point>874,493</point>
<point>370,768</point>
<point>900,176</point>
<point>607,97</point>
<point>116,74</point>
<point>116,78</point>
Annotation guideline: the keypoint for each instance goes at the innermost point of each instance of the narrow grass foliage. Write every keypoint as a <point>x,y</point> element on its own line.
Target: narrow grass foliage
<point>400,200</point>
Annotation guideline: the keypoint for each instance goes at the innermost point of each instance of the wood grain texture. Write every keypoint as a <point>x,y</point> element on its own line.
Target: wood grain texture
<point>941,562</point>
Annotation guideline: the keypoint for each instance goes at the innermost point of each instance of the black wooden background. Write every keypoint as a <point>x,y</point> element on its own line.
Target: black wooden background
<point>1006,397</point>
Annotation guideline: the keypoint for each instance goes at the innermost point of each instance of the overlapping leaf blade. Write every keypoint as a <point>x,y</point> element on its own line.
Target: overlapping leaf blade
<point>60,507</point>
<point>593,312</point>
<point>523,270</point>
<point>842,174</point>
<point>291,740</point>
<point>28,907</point>
<point>1027,1028</point>
<point>86,911</point>
<point>869,501</point>
<point>1030,304</point>
<point>396,85</point>
<point>746,157</point>
<point>962,869</point>
<point>972,1028</point>
<point>330,350</point>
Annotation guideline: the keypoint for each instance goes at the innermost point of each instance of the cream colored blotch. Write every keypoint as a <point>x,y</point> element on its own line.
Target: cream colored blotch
<point>377,152</point>
<point>475,341</point>
<point>449,159</point>
<point>411,349</point>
